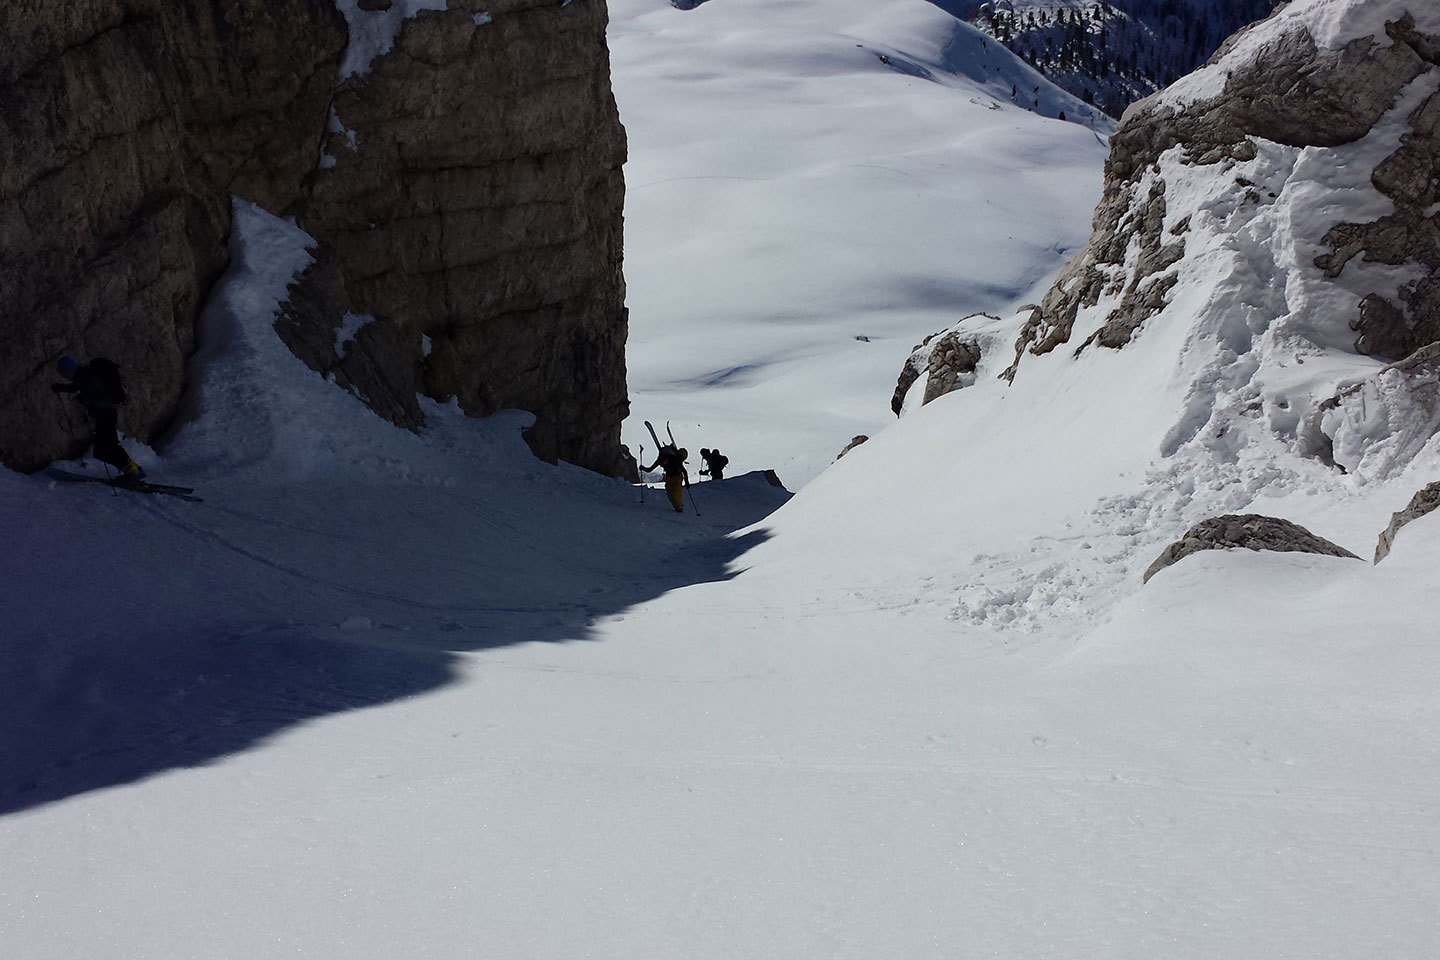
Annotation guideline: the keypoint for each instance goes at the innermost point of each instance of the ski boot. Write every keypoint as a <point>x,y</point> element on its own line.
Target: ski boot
<point>132,472</point>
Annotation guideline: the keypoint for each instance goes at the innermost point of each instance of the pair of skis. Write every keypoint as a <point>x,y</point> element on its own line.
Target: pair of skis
<point>134,486</point>
<point>651,427</point>
<point>673,446</point>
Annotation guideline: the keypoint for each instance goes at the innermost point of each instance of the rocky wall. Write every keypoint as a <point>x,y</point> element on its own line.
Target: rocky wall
<point>465,192</point>
<point>473,200</point>
<point>125,127</point>
<point>1291,93</point>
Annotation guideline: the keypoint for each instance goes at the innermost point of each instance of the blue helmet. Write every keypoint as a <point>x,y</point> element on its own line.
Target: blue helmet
<point>67,364</point>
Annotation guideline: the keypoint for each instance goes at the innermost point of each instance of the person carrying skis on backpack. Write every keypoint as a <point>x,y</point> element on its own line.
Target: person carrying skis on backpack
<point>672,461</point>
<point>715,463</point>
<point>98,387</point>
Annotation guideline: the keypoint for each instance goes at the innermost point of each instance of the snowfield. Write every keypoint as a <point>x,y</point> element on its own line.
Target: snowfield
<point>788,191</point>
<point>389,695</point>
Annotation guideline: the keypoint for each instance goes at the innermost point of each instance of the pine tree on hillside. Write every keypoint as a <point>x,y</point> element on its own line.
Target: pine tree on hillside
<point>1113,52</point>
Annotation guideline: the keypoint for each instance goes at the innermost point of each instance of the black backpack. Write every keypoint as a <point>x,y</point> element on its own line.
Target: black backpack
<point>108,373</point>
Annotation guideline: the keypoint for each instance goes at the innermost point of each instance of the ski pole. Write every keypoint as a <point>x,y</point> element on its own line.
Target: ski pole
<point>691,490</point>
<point>641,474</point>
<point>109,479</point>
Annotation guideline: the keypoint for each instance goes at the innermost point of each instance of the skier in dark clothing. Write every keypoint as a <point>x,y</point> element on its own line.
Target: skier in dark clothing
<point>672,461</point>
<point>715,464</point>
<point>98,387</point>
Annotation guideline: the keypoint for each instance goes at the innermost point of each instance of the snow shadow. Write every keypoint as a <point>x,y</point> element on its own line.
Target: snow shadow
<point>142,634</point>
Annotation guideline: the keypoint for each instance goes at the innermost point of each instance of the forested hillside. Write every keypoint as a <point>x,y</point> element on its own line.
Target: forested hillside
<point>1111,54</point>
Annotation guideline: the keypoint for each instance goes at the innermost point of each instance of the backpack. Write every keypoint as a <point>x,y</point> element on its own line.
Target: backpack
<point>108,373</point>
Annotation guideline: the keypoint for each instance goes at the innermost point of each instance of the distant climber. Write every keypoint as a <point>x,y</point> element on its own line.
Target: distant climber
<point>672,461</point>
<point>98,387</point>
<point>715,463</point>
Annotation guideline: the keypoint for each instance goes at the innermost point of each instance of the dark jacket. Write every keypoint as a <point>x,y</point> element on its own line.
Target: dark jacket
<point>715,464</point>
<point>670,461</point>
<point>91,388</point>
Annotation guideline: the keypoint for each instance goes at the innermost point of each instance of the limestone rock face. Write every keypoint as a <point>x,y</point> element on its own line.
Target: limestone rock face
<point>125,128</point>
<point>472,195</point>
<point>1250,531</point>
<point>1425,501</point>
<point>1410,178</point>
<point>465,194</point>
<point>1288,92</point>
<point>378,362</point>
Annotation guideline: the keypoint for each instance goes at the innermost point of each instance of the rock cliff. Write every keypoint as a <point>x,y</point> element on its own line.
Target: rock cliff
<point>127,126</point>
<point>461,174</point>
<point>1278,207</point>
<point>947,363</point>
<point>952,359</point>
<point>1278,86</point>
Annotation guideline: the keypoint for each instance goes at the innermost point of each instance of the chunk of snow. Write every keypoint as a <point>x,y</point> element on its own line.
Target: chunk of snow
<point>483,18</point>
<point>350,325</point>
<point>373,32</point>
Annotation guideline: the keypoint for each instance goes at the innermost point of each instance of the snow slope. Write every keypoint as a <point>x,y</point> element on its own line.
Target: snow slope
<point>788,192</point>
<point>1221,403</point>
<point>924,709</point>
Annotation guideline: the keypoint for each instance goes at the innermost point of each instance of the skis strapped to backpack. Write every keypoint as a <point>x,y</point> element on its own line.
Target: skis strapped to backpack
<point>656,438</point>
<point>673,448</point>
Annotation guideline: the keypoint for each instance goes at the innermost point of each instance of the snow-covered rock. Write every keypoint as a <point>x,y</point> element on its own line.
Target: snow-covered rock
<point>1425,501</point>
<point>1383,422</point>
<point>1237,205</point>
<point>1249,532</point>
<point>855,441</point>
<point>943,362</point>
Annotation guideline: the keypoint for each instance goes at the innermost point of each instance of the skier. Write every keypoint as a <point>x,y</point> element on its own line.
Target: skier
<point>672,461</point>
<point>715,463</point>
<point>98,387</point>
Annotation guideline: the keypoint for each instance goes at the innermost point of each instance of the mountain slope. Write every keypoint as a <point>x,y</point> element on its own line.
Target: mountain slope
<point>926,708</point>
<point>790,191</point>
